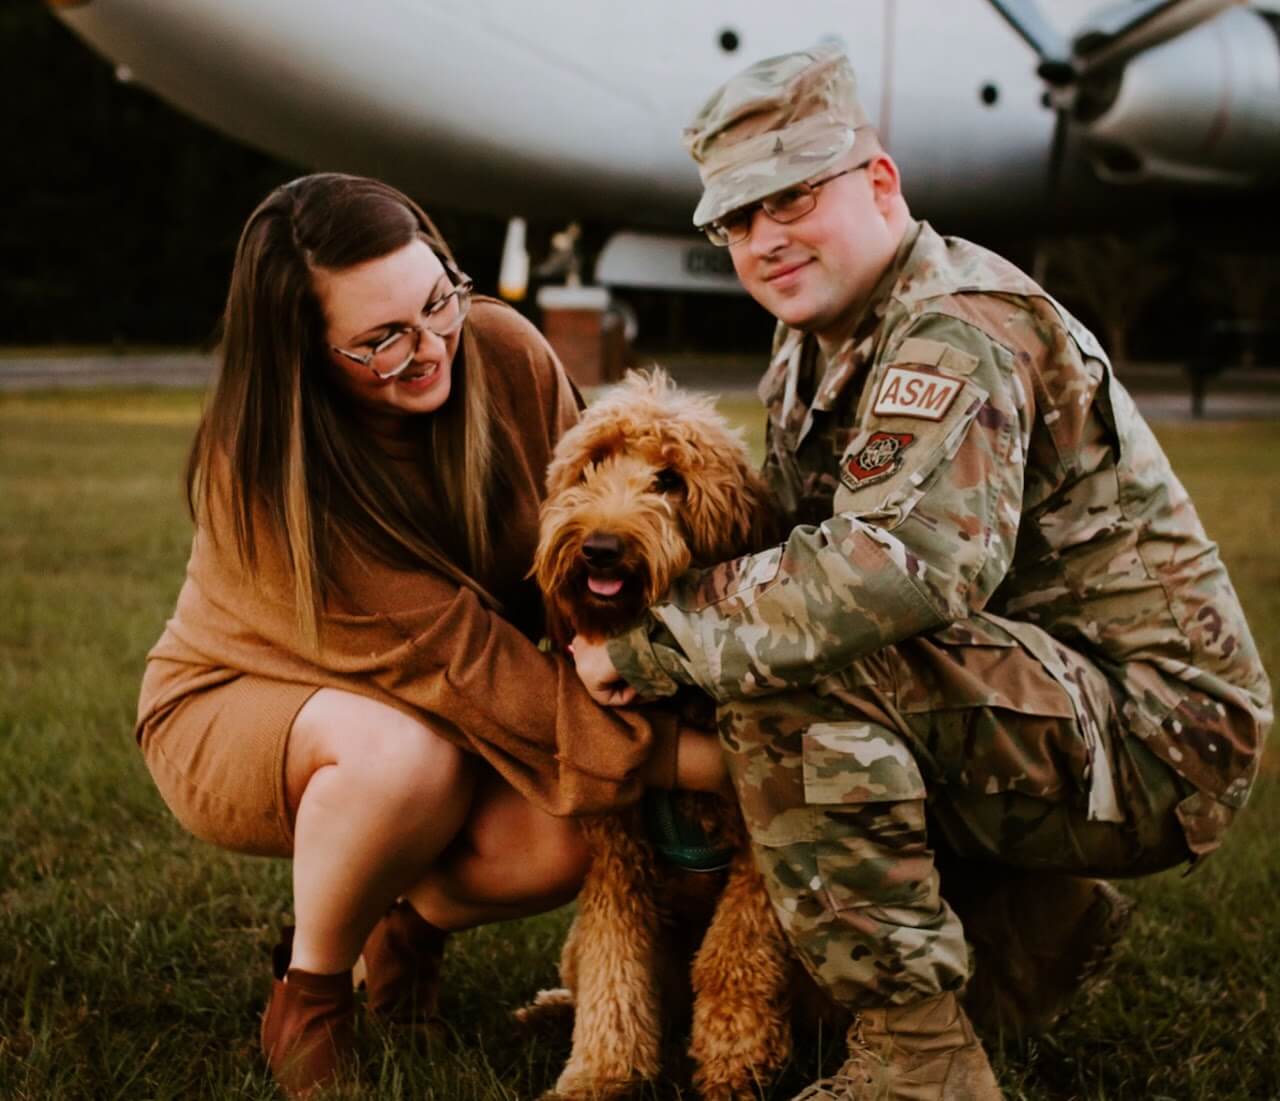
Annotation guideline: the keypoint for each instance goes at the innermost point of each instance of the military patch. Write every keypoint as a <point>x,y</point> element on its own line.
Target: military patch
<point>909,393</point>
<point>879,457</point>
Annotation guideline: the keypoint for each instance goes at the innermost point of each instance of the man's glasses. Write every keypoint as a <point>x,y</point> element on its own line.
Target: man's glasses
<point>788,205</point>
<point>442,317</point>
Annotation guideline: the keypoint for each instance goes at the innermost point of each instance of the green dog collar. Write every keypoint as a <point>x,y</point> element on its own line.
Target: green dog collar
<point>678,839</point>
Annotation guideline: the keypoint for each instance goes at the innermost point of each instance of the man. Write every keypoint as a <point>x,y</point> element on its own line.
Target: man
<point>996,631</point>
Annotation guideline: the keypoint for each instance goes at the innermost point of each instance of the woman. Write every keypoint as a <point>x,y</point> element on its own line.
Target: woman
<point>351,676</point>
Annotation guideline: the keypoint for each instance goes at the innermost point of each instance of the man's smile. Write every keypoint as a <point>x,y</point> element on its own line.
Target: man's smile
<point>783,273</point>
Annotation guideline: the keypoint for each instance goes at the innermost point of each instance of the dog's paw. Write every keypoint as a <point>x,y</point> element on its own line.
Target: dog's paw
<point>738,1063</point>
<point>724,1082</point>
<point>730,1093</point>
<point>743,1090</point>
<point>573,1086</point>
<point>550,1011</point>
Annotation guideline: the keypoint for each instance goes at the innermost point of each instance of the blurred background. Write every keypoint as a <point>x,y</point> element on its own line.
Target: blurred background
<point>122,215</point>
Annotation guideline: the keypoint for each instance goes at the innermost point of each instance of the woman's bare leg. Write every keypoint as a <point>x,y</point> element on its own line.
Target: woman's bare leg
<point>510,860</point>
<point>377,797</point>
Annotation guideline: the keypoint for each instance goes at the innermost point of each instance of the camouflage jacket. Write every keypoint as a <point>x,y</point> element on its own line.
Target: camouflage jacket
<point>968,449</point>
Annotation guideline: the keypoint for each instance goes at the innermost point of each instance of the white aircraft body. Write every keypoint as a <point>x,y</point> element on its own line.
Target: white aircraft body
<point>573,109</point>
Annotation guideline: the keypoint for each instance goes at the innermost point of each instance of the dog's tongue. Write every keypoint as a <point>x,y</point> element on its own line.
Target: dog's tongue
<point>604,586</point>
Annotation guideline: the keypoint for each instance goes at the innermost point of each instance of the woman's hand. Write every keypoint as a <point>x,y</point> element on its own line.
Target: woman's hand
<point>699,760</point>
<point>598,675</point>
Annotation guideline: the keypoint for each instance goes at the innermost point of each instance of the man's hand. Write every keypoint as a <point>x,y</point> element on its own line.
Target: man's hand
<point>598,674</point>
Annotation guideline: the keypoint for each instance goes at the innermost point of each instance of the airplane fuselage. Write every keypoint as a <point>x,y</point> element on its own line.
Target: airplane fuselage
<point>571,109</point>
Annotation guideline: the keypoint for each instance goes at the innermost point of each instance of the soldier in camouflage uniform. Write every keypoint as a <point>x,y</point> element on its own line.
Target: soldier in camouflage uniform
<point>997,630</point>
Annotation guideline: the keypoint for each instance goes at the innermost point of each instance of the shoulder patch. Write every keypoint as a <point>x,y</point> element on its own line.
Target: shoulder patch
<point>877,459</point>
<point>906,392</point>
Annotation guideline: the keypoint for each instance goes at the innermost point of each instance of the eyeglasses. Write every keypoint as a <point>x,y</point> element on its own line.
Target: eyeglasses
<point>441,317</point>
<point>788,205</point>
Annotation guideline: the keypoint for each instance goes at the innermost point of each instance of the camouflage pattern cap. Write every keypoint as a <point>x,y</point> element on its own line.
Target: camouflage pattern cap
<point>780,121</point>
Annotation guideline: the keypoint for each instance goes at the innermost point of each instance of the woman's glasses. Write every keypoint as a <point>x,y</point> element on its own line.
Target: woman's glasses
<point>441,317</point>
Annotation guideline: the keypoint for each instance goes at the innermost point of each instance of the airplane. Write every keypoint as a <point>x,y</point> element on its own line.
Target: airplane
<point>573,109</point>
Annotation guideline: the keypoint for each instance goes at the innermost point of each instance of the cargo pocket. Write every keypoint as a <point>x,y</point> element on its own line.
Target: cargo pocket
<point>991,717</point>
<point>871,851</point>
<point>858,763</point>
<point>981,662</point>
<point>786,788</point>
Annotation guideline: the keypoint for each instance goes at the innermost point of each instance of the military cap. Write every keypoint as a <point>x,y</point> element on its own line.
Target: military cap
<point>779,121</point>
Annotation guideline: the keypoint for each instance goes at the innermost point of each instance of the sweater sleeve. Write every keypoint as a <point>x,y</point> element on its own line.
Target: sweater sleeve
<point>479,677</point>
<point>437,652</point>
<point>525,711</point>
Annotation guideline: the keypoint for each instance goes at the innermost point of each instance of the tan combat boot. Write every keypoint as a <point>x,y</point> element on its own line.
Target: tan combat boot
<point>926,1051</point>
<point>1038,941</point>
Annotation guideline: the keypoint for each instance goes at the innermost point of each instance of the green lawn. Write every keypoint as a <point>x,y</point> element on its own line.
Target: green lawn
<point>133,959</point>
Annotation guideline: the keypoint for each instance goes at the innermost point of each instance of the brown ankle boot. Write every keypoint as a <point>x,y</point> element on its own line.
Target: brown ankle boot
<point>307,1026</point>
<point>926,1051</point>
<point>402,959</point>
<point>1037,942</point>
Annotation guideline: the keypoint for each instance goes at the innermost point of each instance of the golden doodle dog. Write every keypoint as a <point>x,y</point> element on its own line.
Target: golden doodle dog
<point>651,482</point>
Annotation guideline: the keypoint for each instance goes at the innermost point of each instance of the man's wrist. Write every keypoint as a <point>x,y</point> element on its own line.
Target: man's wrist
<point>636,660</point>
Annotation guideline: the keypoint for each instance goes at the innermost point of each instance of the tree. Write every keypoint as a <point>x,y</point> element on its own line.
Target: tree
<point>1115,277</point>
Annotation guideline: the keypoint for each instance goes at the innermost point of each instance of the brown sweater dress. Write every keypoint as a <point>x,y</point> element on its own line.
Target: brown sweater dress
<point>229,674</point>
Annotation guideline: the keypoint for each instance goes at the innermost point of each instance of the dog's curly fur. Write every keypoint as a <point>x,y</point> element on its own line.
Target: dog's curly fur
<point>651,482</point>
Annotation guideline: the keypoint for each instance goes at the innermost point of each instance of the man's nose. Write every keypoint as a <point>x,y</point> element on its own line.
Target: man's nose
<point>766,235</point>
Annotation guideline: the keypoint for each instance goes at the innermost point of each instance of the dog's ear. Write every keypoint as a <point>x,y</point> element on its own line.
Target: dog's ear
<point>766,528</point>
<point>728,509</point>
<point>573,454</point>
<point>565,469</point>
<point>758,521</point>
<point>588,442</point>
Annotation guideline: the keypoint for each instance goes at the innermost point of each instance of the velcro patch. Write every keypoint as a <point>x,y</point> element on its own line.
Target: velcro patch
<point>933,353</point>
<point>908,393</point>
<point>877,459</point>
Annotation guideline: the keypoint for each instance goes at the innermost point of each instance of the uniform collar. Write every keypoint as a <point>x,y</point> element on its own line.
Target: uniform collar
<point>847,361</point>
<point>841,368</point>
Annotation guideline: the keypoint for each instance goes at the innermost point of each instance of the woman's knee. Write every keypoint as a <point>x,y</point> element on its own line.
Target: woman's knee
<point>563,858</point>
<point>510,846</point>
<point>373,753</point>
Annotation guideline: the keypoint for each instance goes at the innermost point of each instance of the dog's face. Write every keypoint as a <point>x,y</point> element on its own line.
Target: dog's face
<point>650,482</point>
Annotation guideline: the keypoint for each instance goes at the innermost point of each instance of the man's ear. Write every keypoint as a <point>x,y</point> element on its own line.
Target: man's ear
<point>886,184</point>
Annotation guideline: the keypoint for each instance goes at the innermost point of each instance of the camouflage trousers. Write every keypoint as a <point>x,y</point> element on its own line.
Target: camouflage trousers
<point>977,741</point>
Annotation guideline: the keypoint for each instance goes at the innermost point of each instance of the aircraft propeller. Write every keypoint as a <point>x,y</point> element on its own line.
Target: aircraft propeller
<point>1083,71</point>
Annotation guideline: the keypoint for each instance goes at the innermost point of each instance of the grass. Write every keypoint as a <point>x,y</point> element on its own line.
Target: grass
<point>133,959</point>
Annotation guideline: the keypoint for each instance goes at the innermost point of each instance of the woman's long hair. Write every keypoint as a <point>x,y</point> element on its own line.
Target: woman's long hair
<point>284,434</point>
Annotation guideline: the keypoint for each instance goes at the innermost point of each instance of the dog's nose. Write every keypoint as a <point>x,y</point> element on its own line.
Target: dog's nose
<point>601,549</point>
